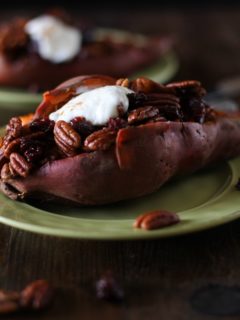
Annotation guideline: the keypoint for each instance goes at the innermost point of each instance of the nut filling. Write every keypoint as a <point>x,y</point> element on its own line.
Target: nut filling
<point>26,147</point>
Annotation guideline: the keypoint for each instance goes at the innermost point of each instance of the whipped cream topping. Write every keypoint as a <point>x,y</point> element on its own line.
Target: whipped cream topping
<point>96,106</point>
<point>56,41</point>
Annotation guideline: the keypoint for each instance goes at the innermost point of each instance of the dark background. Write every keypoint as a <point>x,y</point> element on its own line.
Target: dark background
<point>125,5</point>
<point>161,276</point>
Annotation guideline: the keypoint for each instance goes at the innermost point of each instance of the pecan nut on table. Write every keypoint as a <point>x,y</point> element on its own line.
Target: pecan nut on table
<point>35,296</point>
<point>137,135</point>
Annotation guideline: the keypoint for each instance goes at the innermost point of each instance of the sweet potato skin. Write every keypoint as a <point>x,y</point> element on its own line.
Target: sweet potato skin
<point>143,159</point>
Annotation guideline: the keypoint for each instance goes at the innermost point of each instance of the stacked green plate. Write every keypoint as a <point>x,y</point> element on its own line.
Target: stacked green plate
<point>204,200</point>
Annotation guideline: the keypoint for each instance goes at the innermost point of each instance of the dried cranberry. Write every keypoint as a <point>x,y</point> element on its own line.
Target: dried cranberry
<point>107,288</point>
<point>196,110</point>
<point>34,152</point>
<point>116,123</point>
<point>43,125</point>
<point>82,126</point>
<point>24,144</point>
<point>170,112</point>
<point>136,100</point>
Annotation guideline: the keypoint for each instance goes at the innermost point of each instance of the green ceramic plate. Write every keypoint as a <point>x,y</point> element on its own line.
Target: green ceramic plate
<point>203,200</point>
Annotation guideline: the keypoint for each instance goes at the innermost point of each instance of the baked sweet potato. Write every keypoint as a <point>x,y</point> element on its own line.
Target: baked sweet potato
<point>141,157</point>
<point>19,56</point>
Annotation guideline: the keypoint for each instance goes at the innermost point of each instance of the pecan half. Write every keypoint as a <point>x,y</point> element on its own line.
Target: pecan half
<point>67,139</point>
<point>100,140</point>
<point>123,82</point>
<point>184,84</point>
<point>156,219</point>
<point>6,172</point>
<point>12,147</point>
<point>19,165</point>
<point>142,114</point>
<point>13,130</point>
<point>37,295</point>
<point>191,86</point>
<point>148,86</point>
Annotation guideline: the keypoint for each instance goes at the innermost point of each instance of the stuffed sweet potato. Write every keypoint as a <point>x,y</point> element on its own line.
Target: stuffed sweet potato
<point>154,133</point>
<point>51,48</point>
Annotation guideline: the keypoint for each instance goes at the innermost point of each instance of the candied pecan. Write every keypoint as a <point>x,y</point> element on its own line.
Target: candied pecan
<point>13,39</point>
<point>116,123</point>
<point>13,130</point>
<point>14,127</point>
<point>188,88</point>
<point>13,146</point>
<point>66,138</point>
<point>156,219</point>
<point>124,82</point>
<point>6,172</point>
<point>100,140</point>
<point>19,165</point>
<point>9,295</point>
<point>142,114</point>
<point>146,85</point>
<point>184,84</point>
<point>37,295</point>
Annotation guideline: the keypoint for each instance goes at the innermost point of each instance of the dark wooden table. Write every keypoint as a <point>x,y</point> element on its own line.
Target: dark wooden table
<point>188,277</point>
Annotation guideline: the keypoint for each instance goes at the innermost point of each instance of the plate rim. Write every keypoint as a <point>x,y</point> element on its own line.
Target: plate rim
<point>136,233</point>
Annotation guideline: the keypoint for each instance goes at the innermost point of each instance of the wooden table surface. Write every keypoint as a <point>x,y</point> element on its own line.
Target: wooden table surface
<point>188,277</point>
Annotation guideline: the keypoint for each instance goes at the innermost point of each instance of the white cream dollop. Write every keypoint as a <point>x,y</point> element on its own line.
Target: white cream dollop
<point>96,106</point>
<point>56,41</point>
